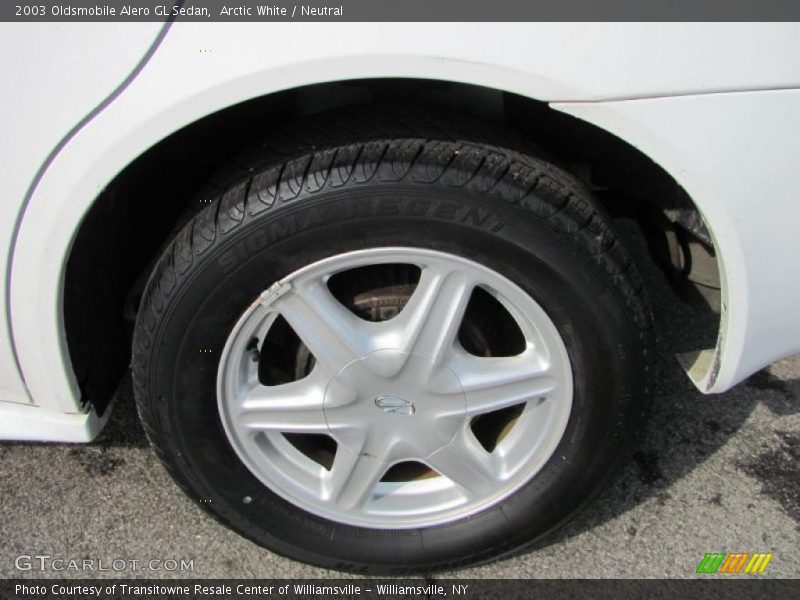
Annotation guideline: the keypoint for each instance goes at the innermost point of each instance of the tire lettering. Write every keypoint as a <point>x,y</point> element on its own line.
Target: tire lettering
<point>289,225</point>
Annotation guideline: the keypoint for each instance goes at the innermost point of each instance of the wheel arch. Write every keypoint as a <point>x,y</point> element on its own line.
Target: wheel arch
<point>62,269</point>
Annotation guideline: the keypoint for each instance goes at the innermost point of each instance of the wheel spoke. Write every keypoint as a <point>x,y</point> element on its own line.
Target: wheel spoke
<point>333,334</point>
<point>353,477</point>
<point>465,463</point>
<point>495,383</point>
<point>431,319</point>
<point>290,407</point>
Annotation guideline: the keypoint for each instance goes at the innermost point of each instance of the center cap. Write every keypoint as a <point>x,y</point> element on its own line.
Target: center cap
<point>398,384</point>
<point>394,405</point>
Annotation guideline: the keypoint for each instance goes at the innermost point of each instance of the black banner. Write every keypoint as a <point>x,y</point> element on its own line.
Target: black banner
<point>397,10</point>
<point>730,588</point>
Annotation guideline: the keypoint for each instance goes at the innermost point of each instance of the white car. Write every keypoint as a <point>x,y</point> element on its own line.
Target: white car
<point>368,277</point>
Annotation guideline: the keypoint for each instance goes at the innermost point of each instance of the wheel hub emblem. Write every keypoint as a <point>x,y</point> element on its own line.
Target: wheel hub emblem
<point>394,405</point>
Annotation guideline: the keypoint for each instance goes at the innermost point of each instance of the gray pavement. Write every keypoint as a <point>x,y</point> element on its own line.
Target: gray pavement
<point>713,473</point>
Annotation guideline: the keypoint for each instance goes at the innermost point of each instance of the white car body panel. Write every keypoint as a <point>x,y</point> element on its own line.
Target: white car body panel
<point>50,92</point>
<point>33,423</point>
<point>750,203</point>
<point>582,69</point>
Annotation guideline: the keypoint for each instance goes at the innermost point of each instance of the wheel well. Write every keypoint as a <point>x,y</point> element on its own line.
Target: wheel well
<point>135,215</point>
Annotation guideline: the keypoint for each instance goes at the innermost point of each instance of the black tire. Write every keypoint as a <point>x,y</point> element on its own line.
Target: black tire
<point>506,209</point>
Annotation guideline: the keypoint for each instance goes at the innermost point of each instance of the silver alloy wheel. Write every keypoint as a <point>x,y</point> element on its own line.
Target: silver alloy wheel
<point>394,391</point>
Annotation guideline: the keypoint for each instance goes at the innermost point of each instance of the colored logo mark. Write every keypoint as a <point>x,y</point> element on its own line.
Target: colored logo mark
<point>735,562</point>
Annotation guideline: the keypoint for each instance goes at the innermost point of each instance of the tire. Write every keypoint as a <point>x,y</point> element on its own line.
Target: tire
<point>523,223</point>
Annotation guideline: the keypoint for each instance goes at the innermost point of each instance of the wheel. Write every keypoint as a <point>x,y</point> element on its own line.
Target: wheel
<point>394,355</point>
